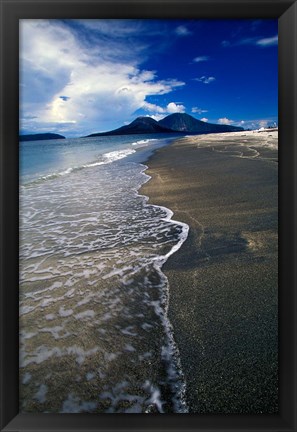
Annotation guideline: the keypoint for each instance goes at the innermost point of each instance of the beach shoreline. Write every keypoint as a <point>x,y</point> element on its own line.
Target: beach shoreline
<point>223,280</point>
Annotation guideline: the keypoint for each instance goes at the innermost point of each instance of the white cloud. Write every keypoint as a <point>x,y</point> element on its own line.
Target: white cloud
<point>262,42</point>
<point>160,112</point>
<point>268,41</point>
<point>198,110</point>
<point>153,108</point>
<point>246,41</point>
<point>204,119</point>
<point>225,121</point>
<point>205,80</point>
<point>112,27</point>
<point>257,124</point>
<point>240,123</point>
<point>97,82</point>
<point>182,31</point>
<point>263,123</point>
<point>172,107</point>
<point>200,59</point>
<point>157,117</point>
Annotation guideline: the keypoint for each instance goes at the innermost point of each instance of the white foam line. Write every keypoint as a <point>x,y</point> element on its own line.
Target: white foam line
<point>185,227</point>
<point>144,142</point>
<point>184,233</point>
<point>107,158</point>
<point>171,351</point>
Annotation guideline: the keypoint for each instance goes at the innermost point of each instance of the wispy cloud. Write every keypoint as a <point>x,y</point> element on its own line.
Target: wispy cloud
<point>182,31</point>
<point>255,24</point>
<point>200,59</point>
<point>198,110</point>
<point>256,41</point>
<point>112,27</point>
<point>205,79</point>
<point>268,41</point>
<point>153,107</point>
<point>225,43</point>
<point>247,41</point>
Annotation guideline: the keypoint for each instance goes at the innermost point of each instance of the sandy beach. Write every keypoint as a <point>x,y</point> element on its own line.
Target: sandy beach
<point>223,281</point>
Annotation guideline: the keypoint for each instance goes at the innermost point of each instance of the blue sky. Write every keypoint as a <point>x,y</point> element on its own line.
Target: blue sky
<point>83,76</point>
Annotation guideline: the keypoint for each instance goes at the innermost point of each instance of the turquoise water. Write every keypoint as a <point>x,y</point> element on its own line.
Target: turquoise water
<point>41,159</point>
<point>94,331</point>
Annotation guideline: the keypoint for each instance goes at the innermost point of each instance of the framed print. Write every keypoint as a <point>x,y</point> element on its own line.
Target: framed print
<point>148,212</point>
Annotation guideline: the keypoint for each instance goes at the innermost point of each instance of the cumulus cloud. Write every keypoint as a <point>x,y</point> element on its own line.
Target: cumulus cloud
<point>67,81</point>
<point>204,119</point>
<point>182,31</point>
<point>200,59</point>
<point>205,79</point>
<point>157,112</point>
<point>198,110</point>
<point>225,121</point>
<point>172,108</point>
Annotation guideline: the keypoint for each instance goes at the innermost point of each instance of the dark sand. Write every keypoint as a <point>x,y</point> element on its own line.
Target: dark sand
<point>224,279</point>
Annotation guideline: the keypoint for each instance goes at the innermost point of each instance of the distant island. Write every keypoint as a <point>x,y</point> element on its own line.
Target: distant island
<point>41,136</point>
<point>173,123</point>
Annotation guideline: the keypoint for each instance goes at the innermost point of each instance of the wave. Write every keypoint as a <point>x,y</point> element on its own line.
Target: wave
<point>144,142</point>
<point>94,267</point>
<point>106,158</point>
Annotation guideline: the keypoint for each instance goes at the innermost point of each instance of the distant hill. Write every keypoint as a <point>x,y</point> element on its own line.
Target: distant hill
<point>141,125</point>
<point>39,137</point>
<point>173,123</point>
<point>189,124</point>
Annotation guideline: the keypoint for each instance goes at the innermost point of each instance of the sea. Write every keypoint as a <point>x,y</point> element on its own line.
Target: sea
<point>94,331</point>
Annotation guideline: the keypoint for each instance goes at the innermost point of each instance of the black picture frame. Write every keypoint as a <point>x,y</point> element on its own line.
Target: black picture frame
<point>286,12</point>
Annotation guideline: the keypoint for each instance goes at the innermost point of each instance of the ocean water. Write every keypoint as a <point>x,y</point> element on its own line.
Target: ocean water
<point>94,331</point>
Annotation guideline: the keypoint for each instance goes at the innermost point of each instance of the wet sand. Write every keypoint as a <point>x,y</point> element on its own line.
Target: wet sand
<point>224,279</point>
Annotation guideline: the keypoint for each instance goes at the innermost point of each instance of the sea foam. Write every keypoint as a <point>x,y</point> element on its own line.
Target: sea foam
<point>91,256</point>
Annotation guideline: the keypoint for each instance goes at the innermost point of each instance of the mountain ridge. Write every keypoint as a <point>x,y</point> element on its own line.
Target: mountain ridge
<point>182,122</point>
<point>173,123</point>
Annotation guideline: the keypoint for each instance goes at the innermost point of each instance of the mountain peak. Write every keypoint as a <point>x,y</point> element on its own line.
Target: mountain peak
<point>141,125</point>
<point>182,122</point>
<point>144,120</point>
